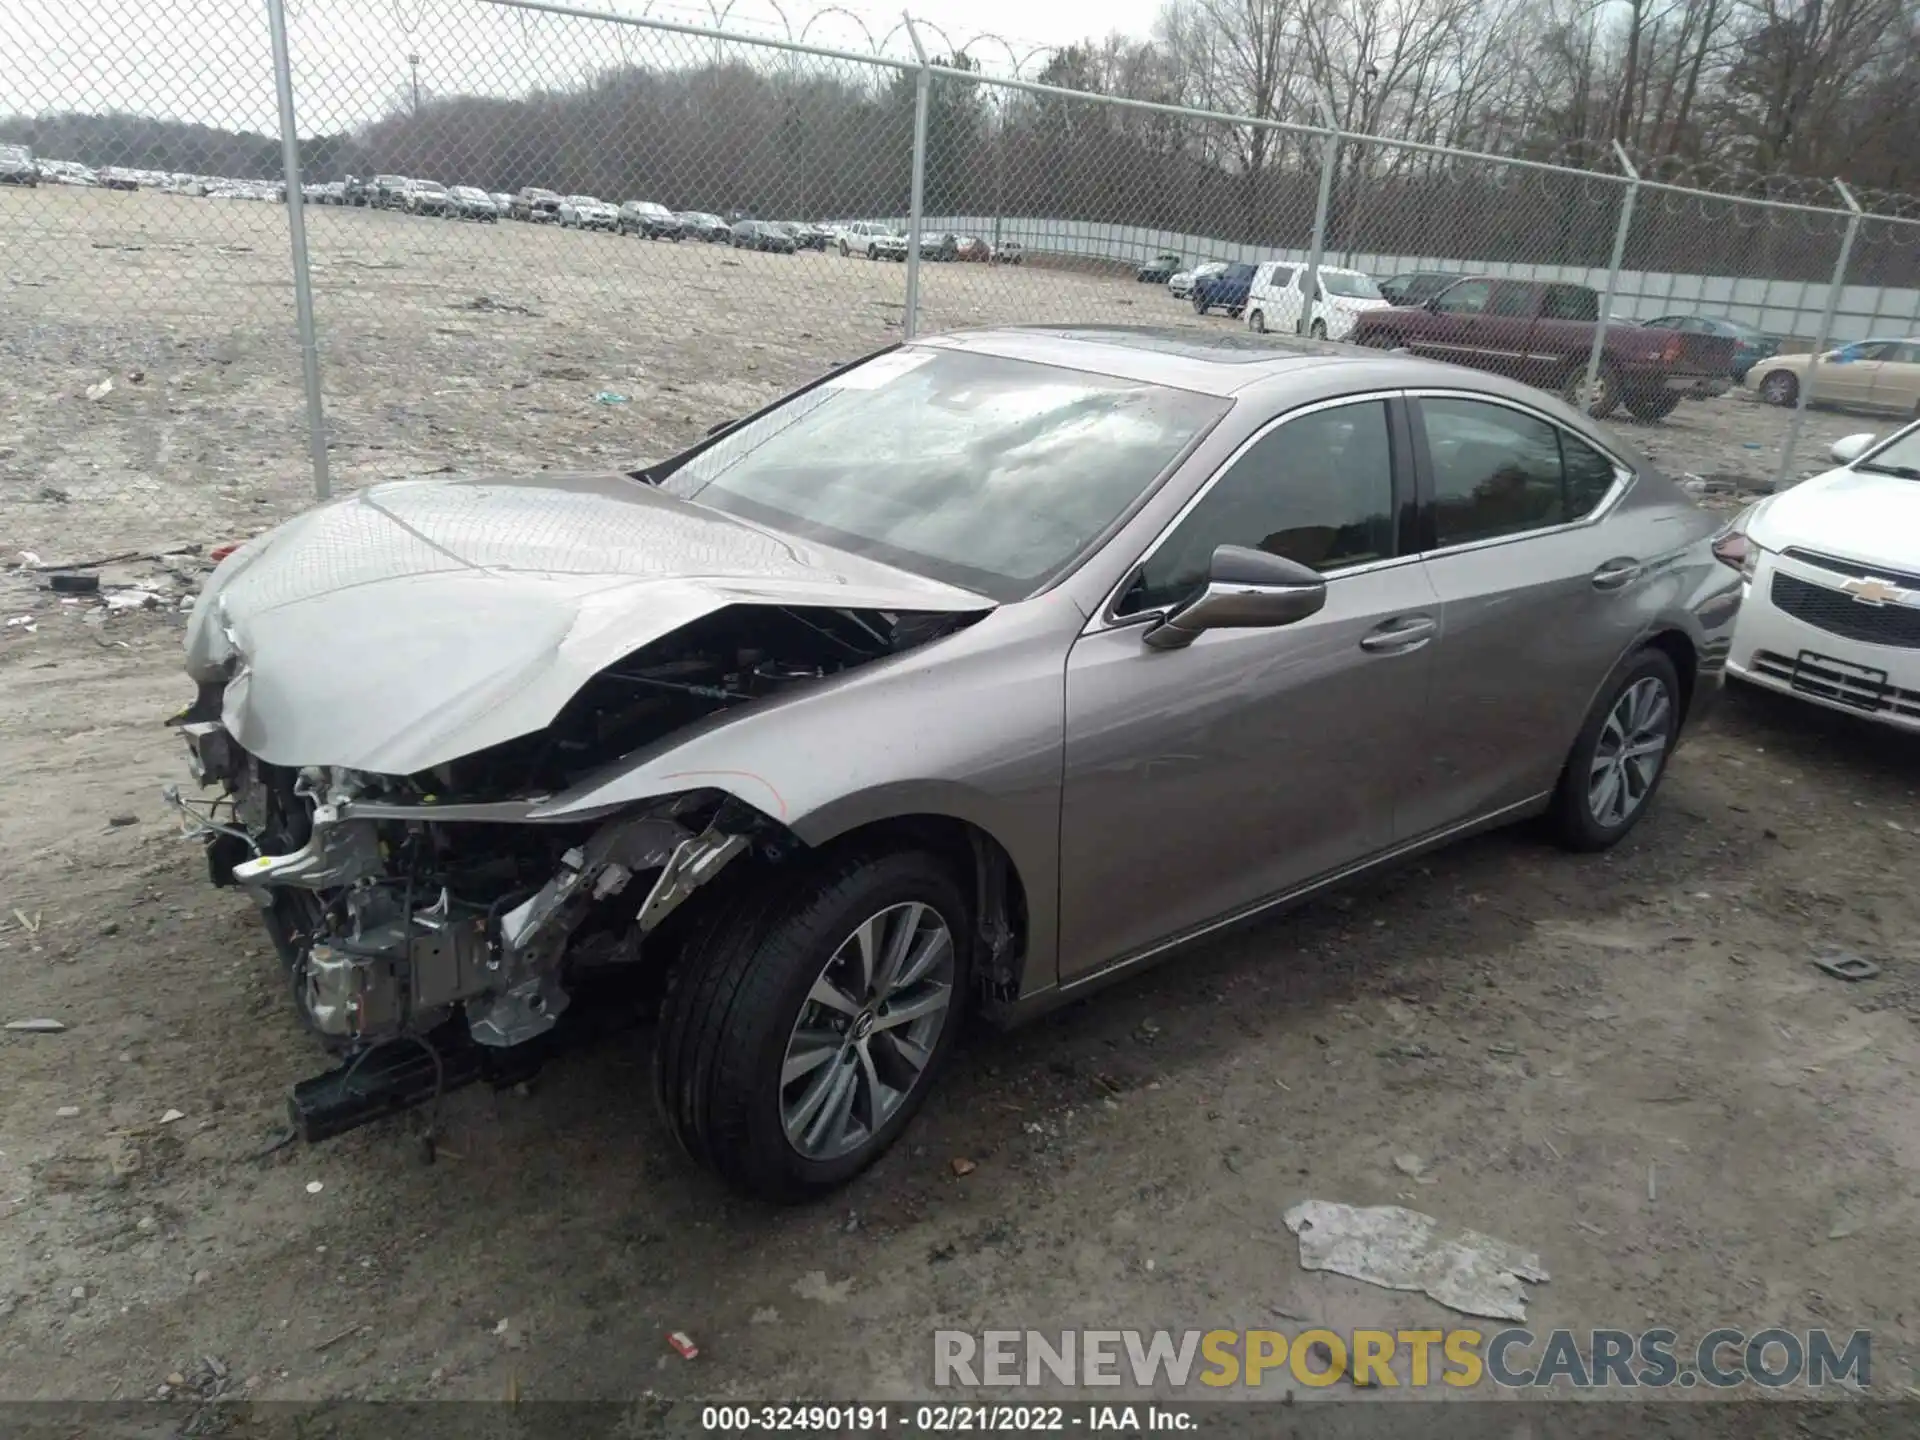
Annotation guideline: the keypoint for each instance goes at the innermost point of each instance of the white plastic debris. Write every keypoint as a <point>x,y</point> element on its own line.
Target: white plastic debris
<point>1405,1250</point>
<point>36,1027</point>
<point>314,1187</point>
<point>100,390</point>
<point>172,1115</point>
<point>132,600</point>
<point>67,1112</point>
<point>29,558</point>
<point>21,622</point>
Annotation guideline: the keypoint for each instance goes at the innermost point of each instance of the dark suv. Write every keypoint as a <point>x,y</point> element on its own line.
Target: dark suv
<point>1225,291</point>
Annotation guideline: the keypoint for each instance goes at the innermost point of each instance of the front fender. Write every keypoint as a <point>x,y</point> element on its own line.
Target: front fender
<point>970,727</point>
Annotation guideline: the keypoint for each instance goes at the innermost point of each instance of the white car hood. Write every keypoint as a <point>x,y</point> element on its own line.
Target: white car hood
<point>1850,514</point>
<point>417,622</point>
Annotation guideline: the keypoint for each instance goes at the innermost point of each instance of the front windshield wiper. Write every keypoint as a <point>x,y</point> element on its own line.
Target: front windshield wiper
<point>1905,472</point>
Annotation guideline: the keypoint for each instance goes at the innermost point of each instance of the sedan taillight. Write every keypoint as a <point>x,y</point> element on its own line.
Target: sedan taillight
<point>1672,351</point>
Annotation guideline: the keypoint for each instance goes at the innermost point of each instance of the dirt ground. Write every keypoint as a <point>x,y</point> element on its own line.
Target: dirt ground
<point>1626,1063</point>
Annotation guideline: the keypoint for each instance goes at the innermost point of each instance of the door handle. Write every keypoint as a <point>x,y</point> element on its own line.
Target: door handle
<point>1394,637</point>
<point>1614,573</point>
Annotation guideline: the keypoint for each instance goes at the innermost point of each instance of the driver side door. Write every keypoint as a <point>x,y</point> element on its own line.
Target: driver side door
<point>1201,781</point>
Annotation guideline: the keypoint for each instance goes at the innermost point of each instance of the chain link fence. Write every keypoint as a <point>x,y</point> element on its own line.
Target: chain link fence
<point>538,236</point>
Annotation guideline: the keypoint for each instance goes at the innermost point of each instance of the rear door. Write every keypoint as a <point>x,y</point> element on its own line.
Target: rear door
<point>1538,599</point>
<point>1505,331</point>
<point>1897,386</point>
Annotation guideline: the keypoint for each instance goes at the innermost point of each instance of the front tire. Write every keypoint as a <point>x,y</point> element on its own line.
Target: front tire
<point>1318,330</point>
<point>802,1030</point>
<point>1780,388</point>
<point>1620,756</point>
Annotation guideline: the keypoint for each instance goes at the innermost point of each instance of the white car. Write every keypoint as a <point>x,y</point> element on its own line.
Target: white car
<point>875,239</point>
<point>1831,608</point>
<point>1180,284</point>
<point>1275,299</point>
<point>586,212</point>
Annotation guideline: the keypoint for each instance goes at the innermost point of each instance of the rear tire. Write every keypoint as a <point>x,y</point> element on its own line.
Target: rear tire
<point>1318,330</point>
<point>1613,770</point>
<point>732,1033</point>
<point>1257,322</point>
<point>1605,398</point>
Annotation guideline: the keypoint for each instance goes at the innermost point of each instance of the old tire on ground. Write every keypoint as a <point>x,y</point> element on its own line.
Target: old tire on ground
<point>1604,399</point>
<point>1780,388</point>
<point>1654,404</point>
<point>1620,755</point>
<point>786,1059</point>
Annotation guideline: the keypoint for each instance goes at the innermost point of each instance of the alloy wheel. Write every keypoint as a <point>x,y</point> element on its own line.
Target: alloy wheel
<point>1628,755</point>
<point>866,1031</point>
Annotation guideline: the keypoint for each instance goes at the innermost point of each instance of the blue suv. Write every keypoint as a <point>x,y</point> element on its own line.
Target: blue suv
<point>1225,291</point>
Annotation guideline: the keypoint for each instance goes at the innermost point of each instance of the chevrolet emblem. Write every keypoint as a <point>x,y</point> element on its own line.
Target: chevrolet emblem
<point>1871,591</point>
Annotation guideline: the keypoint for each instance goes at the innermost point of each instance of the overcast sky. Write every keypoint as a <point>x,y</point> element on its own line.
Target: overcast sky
<point>208,60</point>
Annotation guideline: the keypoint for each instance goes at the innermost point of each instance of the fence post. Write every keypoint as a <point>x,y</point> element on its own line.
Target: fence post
<point>1329,161</point>
<point>1780,478</point>
<point>1613,277</point>
<point>297,234</point>
<point>916,201</point>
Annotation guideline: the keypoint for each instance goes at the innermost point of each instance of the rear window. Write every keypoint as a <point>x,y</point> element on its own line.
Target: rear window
<point>1569,302</point>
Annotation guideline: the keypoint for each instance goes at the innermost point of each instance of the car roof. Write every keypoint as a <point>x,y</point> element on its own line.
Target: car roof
<point>1227,362</point>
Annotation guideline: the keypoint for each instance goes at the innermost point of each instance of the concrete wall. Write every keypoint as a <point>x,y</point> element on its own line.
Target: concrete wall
<point>1788,308</point>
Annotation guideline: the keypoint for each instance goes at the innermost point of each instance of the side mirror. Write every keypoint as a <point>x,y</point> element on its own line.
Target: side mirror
<point>1245,590</point>
<point>1846,451</point>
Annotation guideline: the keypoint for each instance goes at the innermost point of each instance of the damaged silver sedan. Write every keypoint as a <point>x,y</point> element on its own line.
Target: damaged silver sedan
<point>962,680</point>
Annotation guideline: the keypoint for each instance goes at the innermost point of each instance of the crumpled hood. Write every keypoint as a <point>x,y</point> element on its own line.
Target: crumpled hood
<point>1849,514</point>
<point>419,621</point>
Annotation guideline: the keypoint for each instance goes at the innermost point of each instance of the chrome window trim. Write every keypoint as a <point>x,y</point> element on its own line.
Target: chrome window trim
<point>1623,474</point>
<point>1105,617</point>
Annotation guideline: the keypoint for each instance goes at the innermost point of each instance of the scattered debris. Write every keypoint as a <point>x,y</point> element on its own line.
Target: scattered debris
<point>1651,1189</point>
<point>22,622</point>
<point>120,822</point>
<point>513,1336</point>
<point>963,1166</point>
<point>487,305</point>
<point>765,1315</point>
<point>72,584</point>
<point>172,1115</point>
<point>814,1285</point>
<point>1841,964</point>
<point>351,1330</point>
<point>100,389</point>
<point>36,1027</point>
<point>611,397</point>
<point>32,927</point>
<point>314,1187</point>
<point>1406,1250</point>
<point>1410,1165</point>
<point>67,1112</point>
<point>683,1345</point>
<point>136,599</point>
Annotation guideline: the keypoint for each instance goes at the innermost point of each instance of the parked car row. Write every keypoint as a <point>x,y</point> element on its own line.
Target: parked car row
<point>883,240</point>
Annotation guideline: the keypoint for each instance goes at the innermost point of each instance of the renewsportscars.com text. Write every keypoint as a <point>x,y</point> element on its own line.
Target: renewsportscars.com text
<point>1458,1358</point>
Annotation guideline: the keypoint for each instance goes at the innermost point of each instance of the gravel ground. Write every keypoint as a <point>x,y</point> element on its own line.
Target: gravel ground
<point>1508,1037</point>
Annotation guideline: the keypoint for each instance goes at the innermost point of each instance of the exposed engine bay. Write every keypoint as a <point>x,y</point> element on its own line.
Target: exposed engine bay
<point>440,909</point>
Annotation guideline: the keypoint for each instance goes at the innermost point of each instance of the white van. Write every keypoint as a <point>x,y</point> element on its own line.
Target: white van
<point>1274,300</point>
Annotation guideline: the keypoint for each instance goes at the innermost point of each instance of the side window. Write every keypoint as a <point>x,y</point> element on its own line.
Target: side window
<point>1318,489</point>
<point>1469,297</point>
<point>1282,276</point>
<point>1570,302</point>
<point>1495,471</point>
<point>1908,354</point>
<point>1589,475</point>
<point>1512,300</point>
